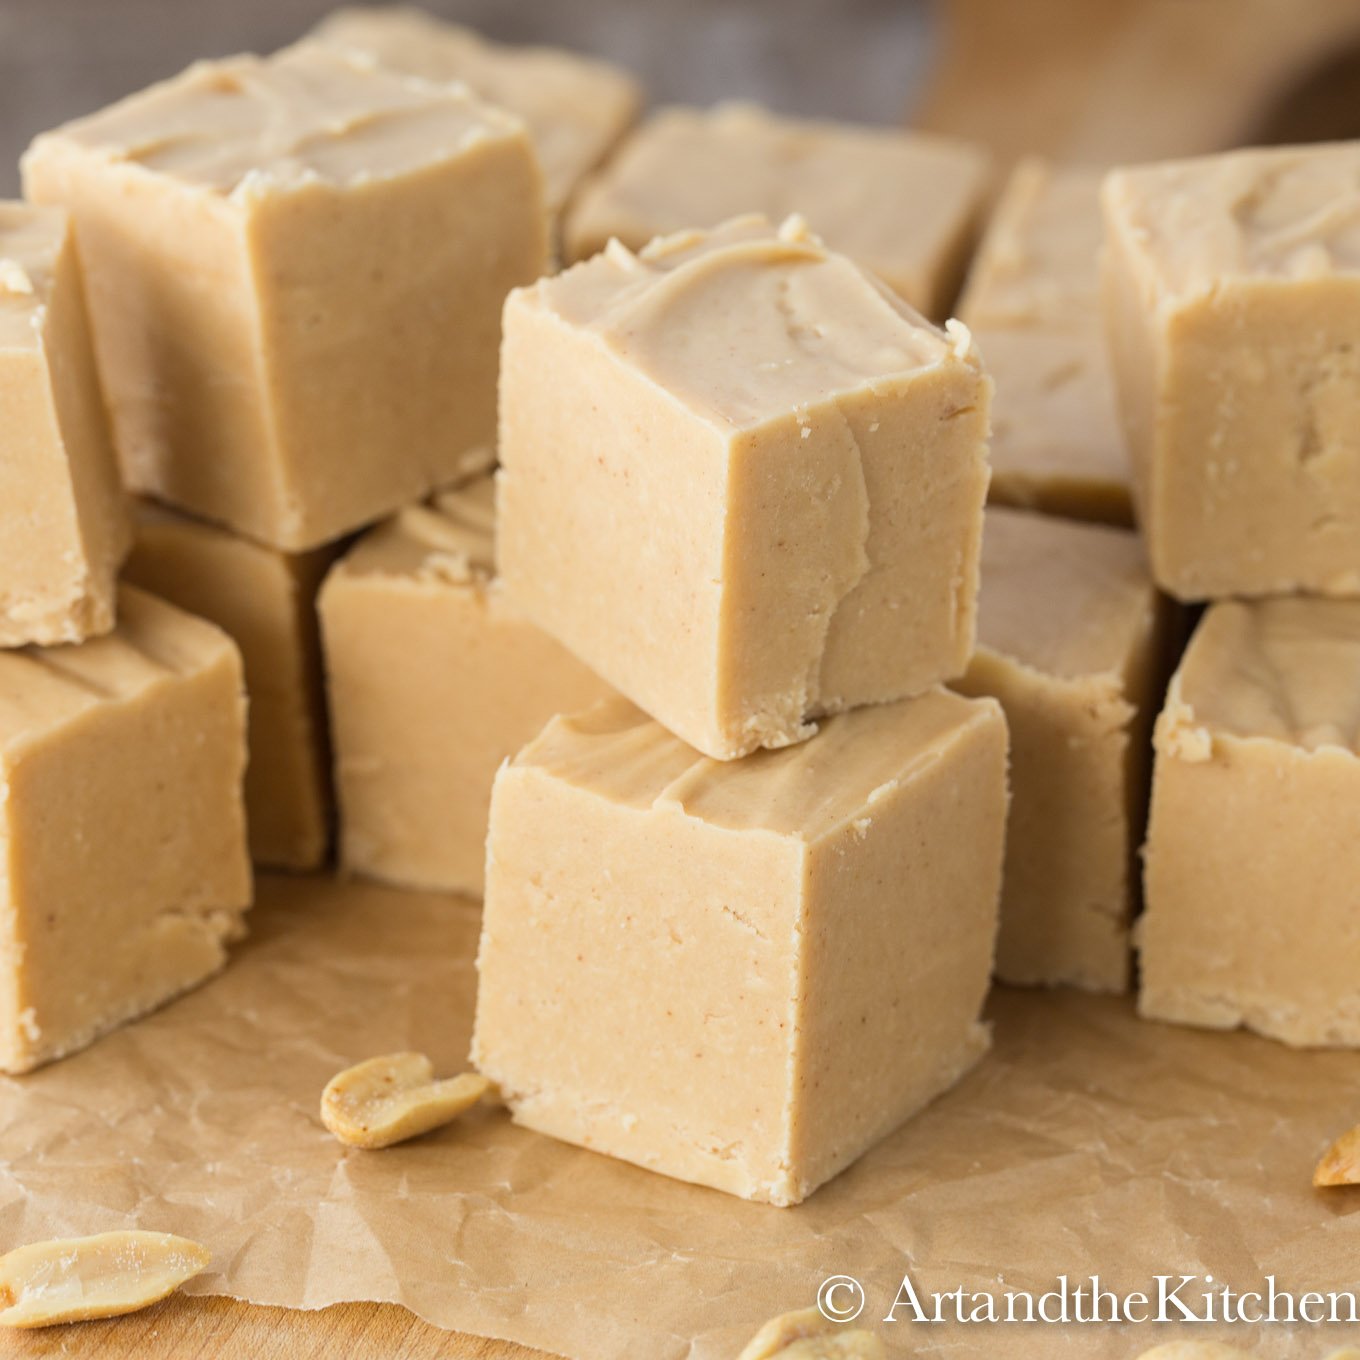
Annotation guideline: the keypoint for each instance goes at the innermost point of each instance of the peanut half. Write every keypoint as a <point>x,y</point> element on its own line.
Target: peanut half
<point>75,1279</point>
<point>1341,1163</point>
<point>389,1099</point>
<point>807,1335</point>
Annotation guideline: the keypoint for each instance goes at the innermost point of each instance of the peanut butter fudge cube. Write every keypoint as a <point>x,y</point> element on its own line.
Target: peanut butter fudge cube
<point>1233,306</point>
<point>122,834</point>
<point>1253,850</point>
<point>265,599</point>
<point>1072,636</point>
<point>63,522</point>
<point>902,204</point>
<point>575,107</point>
<point>296,268</point>
<point>1033,305</point>
<point>741,974</point>
<point>434,680</point>
<point>742,480</point>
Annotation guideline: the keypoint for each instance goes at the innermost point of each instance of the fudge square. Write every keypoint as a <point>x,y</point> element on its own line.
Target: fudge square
<point>741,974</point>
<point>1233,307</point>
<point>1253,853</point>
<point>1072,636</point>
<point>122,835</point>
<point>904,205</point>
<point>1033,305</point>
<point>575,107</point>
<point>296,267</point>
<point>434,680</point>
<point>265,599</point>
<point>63,522</point>
<point>742,481</point>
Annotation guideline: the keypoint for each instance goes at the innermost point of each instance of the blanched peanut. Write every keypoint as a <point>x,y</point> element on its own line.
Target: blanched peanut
<point>807,1335</point>
<point>1341,1163</point>
<point>76,1279</point>
<point>389,1099</point>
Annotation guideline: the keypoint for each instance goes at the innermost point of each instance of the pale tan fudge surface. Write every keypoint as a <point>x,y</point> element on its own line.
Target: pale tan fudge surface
<point>741,974</point>
<point>576,107</point>
<point>1033,303</point>
<point>434,679</point>
<point>296,269</point>
<point>63,521</point>
<point>1253,850</point>
<point>1233,305</point>
<point>742,480</point>
<point>122,832</point>
<point>905,205</point>
<point>1072,636</point>
<point>266,600</point>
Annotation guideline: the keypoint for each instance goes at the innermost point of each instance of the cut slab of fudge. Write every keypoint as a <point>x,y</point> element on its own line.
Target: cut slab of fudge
<point>741,974</point>
<point>742,480</point>
<point>296,267</point>
<point>265,599</point>
<point>576,107</point>
<point>122,832</point>
<point>1233,305</point>
<point>63,521</point>
<point>905,205</point>
<point>434,679</point>
<point>1071,639</point>
<point>1253,851</point>
<point>1033,304</point>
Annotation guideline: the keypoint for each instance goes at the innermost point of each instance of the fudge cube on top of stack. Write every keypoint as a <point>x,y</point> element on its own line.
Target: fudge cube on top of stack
<point>63,521</point>
<point>1072,639</point>
<point>296,267</point>
<point>123,863</point>
<point>1253,851</point>
<point>434,680</point>
<point>576,107</point>
<point>804,937</point>
<point>1233,306</point>
<point>742,481</point>
<point>904,205</point>
<point>265,599</point>
<point>1033,305</point>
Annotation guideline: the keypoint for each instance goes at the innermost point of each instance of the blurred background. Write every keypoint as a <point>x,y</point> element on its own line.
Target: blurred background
<point>1088,80</point>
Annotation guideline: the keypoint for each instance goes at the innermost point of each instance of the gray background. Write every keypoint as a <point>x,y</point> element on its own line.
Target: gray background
<point>860,59</point>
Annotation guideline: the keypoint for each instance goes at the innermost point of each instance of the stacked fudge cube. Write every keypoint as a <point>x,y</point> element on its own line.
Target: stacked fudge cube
<point>740,919</point>
<point>1231,285</point>
<point>265,297</point>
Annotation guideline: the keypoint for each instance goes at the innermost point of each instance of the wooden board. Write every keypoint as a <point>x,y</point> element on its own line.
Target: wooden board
<point>189,1328</point>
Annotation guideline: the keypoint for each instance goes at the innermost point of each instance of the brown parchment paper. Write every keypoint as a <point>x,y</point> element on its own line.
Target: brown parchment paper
<point>1088,1141</point>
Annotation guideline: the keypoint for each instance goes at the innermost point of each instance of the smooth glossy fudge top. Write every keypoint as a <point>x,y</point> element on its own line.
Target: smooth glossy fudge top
<point>1287,669</point>
<point>1280,213</point>
<point>450,538</point>
<point>1067,599</point>
<point>30,241</point>
<point>748,322</point>
<point>575,106</point>
<point>1040,258</point>
<point>808,791</point>
<point>894,200</point>
<point>248,126</point>
<point>43,688</point>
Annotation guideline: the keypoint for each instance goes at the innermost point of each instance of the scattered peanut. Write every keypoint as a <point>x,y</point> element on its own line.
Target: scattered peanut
<point>76,1279</point>
<point>389,1099</point>
<point>807,1335</point>
<point>1194,1350</point>
<point>1341,1164</point>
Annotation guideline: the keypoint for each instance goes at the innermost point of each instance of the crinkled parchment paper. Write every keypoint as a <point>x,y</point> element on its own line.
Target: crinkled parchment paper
<point>1088,1141</point>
